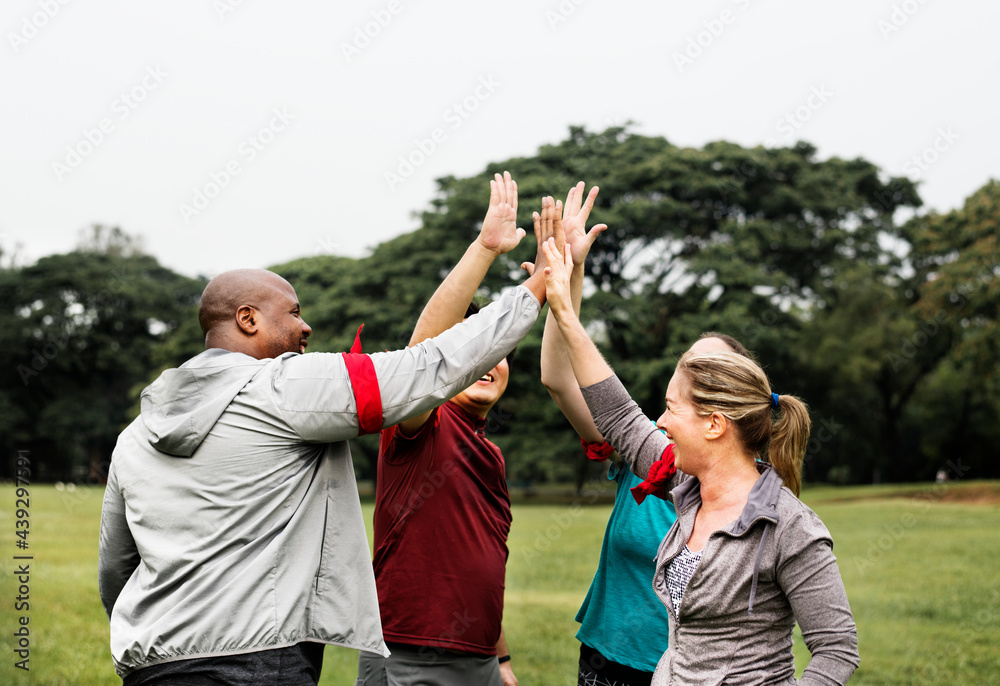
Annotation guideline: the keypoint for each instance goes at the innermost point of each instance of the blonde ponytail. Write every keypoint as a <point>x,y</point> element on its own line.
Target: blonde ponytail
<point>738,388</point>
<point>789,437</point>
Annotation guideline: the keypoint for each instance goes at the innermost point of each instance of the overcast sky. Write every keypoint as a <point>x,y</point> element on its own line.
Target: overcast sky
<point>243,133</point>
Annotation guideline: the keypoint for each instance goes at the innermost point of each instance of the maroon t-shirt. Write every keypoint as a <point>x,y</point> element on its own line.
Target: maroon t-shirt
<point>442,516</point>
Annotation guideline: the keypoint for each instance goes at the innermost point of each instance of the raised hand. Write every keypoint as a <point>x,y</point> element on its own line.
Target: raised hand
<point>558,273</point>
<point>548,225</point>
<point>500,234</point>
<point>574,221</point>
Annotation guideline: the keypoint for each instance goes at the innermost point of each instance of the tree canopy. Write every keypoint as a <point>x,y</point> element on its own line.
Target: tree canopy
<point>887,328</point>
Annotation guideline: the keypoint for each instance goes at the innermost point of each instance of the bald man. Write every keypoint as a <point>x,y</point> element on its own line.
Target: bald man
<point>232,542</point>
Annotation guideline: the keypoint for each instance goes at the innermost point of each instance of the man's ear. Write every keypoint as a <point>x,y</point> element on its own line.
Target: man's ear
<point>717,426</point>
<point>246,319</point>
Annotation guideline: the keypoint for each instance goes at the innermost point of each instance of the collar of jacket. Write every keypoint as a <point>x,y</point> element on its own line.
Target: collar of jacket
<point>762,504</point>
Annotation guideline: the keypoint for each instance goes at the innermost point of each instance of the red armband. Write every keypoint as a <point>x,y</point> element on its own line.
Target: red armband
<point>598,452</point>
<point>364,383</point>
<point>659,474</point>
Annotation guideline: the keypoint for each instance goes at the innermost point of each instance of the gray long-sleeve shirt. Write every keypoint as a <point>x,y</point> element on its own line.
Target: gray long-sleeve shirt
<point>772,568</point>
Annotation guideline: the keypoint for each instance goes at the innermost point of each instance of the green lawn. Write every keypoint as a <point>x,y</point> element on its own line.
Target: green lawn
<point>922,571</point>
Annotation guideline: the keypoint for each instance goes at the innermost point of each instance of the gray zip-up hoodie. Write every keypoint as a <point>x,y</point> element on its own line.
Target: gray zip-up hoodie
<point>772,568</point>
<point>231,520</point>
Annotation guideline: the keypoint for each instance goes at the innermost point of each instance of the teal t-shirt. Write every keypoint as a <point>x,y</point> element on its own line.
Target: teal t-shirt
<point>621,616</point>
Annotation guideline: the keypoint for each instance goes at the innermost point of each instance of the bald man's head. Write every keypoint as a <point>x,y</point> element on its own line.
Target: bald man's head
<point>252,311</point>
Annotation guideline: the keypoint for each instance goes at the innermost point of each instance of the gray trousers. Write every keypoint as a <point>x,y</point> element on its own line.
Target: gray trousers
<point>426,666</point>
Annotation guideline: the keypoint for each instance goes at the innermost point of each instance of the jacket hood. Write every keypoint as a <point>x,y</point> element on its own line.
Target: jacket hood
<point>183,404</point>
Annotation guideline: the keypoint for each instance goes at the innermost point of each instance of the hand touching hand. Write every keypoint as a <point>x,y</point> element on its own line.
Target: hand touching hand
<point>548,225</point>
<point>557,279</point>
<point>500,234</point>
<point>574,221</point>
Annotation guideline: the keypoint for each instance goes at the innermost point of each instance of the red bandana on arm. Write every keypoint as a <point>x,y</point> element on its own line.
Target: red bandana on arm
<point>659,474</point>
<point>598,452</point>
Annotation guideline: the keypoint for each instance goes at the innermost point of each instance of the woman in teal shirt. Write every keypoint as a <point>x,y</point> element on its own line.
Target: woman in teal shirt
<point>623,624</point>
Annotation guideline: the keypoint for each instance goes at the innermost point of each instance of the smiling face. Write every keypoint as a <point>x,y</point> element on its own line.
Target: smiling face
<point>681,423</point>
<point>280,322</point>
<point>478,398</point>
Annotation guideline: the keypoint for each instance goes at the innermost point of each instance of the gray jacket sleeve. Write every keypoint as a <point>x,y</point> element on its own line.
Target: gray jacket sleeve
<point>318,397</point>
<point>624,426</point>
<point>808,574</point>
<point>118,556</point>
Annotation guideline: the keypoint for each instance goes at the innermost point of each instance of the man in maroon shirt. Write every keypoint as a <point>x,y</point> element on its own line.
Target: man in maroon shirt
<point>442,511</point>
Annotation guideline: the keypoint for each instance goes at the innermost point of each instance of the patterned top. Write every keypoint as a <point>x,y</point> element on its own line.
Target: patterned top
<point>679,572</point>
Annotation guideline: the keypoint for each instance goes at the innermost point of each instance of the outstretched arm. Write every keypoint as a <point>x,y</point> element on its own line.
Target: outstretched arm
<point>499,235</point>
<point>588,364</point>
<point>450,301</point>
<point>616,415</point>
<point>557,371</point>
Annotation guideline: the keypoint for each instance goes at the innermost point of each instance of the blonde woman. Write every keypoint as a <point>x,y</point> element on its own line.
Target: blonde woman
<point>746,559</point>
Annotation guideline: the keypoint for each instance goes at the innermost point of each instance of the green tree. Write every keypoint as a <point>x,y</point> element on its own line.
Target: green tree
<point>956,297</point>
<point>752,242</point>
<point>79,330</point>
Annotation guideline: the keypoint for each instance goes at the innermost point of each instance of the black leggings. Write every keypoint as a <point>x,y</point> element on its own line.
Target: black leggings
<point>597,670</point>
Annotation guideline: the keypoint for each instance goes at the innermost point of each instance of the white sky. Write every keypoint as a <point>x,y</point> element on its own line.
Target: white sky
<point>213,78</point>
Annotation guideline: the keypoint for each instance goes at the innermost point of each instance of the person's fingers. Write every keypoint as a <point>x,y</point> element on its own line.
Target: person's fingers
<point>568,256</point>
<point>501,188</point>
<point>494,193</point>
<point>528,267</point>
<point>513,192</point>
<point>594,232</point>
<point>557,227</point>
<point>589,204</point>
<point>574,208</point>
<point>549,251</point>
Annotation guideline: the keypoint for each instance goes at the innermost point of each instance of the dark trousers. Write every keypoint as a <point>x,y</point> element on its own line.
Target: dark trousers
<point>297,665</point>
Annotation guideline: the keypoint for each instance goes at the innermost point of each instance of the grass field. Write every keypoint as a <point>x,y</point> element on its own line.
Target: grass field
<point>921,565</point>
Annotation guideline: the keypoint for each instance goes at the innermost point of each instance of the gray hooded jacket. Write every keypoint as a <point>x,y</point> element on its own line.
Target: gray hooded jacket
<point>231,521</point>
<point>772,568</point>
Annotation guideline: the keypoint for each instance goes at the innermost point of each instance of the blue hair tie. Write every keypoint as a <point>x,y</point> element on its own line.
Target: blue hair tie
<point>774,400</point>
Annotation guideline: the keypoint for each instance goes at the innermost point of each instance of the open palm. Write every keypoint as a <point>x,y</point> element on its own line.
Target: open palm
<point>500,233</point>
<point>574,221</point>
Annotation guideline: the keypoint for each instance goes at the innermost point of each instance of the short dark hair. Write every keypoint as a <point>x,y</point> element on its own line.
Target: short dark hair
<point>736,346</point>
<point>474,308</point>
